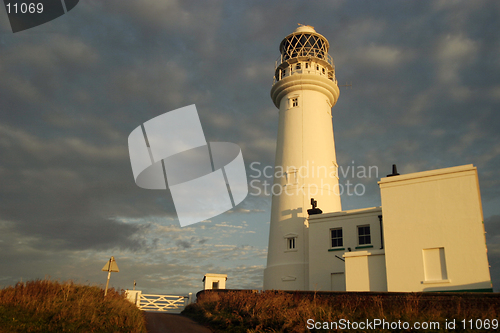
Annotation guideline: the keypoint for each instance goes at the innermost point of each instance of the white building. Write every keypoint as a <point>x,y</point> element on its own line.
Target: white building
<point>427,236</point>
<point>214,281</point>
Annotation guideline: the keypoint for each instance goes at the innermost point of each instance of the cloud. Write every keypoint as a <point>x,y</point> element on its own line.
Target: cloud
<point>183,244</point>
<point>53,54</point>
<point>381,56</point>
<point>453,54</point>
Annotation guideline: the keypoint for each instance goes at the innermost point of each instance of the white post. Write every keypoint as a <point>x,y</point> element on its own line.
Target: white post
<point>134,296</point>
<point>107,282</point>
<point>190,299</point>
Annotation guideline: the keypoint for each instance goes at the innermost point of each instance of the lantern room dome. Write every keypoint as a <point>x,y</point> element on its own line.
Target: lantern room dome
<point>305,28</point>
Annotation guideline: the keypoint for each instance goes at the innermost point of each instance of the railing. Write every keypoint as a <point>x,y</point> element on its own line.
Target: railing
<point>290,70</point>
<point>152,302</point>
<point>326,57</point>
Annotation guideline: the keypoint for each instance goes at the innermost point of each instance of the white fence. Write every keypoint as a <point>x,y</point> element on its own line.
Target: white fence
<point>165,303</point>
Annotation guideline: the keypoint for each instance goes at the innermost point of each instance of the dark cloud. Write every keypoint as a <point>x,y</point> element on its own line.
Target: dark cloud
<point>183,244</point>
<point>492,227</point>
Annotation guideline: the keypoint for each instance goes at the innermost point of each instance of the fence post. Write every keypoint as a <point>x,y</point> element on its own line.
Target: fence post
<point>138,299</point>
<point>190,298</point>
<point>134,296</point>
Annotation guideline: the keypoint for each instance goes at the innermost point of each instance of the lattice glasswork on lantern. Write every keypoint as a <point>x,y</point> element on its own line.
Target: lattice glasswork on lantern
<point>304,44</point>
<point>304,52</point>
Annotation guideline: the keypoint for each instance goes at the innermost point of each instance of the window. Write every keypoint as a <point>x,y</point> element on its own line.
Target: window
<point>337,240</point>
<point>283,73</point>
<point>297,66</point>
<point>291,176</point>
<point>290,242</point>
<point>307,65</point>
<point>435,264</point>
<point>295,102</point>
<point>215,285</point>
<point>364,237</point>
<point>323,70</point>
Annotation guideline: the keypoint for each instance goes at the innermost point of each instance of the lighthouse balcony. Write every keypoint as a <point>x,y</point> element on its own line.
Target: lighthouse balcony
<point>304,65</point>
<point>308,53</point>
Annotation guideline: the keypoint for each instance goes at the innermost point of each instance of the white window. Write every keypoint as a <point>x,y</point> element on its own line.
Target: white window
<point>295,102</point>
<point>337,239</point>
<point>290,242</point>
<point>364,237</point>
<point>297,66</point>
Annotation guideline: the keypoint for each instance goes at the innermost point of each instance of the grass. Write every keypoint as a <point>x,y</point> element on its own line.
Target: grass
<point>50,306</point>
<point>247,312</point>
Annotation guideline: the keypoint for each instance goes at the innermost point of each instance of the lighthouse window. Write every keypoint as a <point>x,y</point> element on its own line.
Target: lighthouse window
<point>290,243</point>
<point>283,73</point>
<point>323,70</point>
<point>307,65</point>
<point>317,67</point>
<point>364,237</point>
<point>297,66</point>
<point>295,102</point>
<point>337,240</point>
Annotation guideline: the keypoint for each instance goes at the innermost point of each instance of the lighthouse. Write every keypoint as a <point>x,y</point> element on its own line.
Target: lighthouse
<point>304,90</point>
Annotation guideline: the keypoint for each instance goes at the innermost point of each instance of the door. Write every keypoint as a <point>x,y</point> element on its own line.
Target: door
<point>338,281</point>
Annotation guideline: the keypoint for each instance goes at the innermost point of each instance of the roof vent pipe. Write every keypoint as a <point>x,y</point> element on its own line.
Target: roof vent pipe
<point>394,171</point>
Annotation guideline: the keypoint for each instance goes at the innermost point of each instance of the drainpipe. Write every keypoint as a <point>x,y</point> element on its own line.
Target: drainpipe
<point>381,232</point>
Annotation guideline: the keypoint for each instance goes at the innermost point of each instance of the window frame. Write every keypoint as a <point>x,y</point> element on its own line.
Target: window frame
<point>369,235</point>
<point>336,238</point>
<point>288,238</point>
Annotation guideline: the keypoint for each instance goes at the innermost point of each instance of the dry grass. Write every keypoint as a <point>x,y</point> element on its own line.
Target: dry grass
<point>289,312</point>
<point>50,306</point>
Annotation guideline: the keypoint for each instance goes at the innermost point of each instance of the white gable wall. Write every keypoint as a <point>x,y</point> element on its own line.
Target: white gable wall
<point>434,232</point>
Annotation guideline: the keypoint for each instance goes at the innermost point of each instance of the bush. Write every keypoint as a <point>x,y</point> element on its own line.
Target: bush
<point>277,311</point>
<point>50,306</point>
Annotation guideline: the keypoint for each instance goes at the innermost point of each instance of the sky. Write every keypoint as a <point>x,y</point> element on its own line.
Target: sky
<point>425,94</point>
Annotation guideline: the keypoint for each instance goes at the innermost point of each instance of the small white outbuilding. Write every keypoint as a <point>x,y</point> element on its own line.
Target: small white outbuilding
<point>214,281</point>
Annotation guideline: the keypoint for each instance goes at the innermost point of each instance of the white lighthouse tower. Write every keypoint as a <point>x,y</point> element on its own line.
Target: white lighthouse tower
<point>304,90</point>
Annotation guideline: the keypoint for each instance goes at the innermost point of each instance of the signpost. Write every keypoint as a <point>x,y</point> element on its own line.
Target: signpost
<point>110,266</point>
